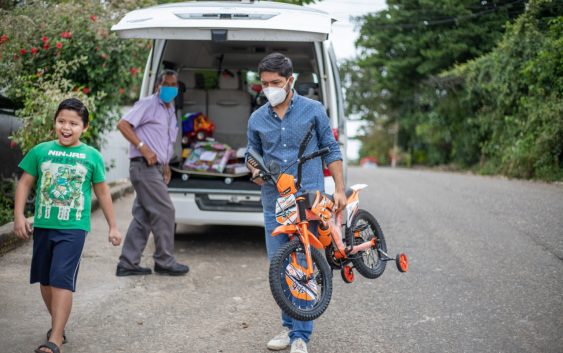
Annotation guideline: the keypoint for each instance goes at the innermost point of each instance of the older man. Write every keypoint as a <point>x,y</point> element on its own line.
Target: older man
<point>151,128</point>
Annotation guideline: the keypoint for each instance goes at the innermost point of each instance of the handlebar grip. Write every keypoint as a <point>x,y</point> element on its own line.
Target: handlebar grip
<point>318,153</point>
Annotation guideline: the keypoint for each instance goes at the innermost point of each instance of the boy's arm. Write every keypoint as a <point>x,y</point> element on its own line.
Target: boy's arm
<point>104,198</point>
<point>22,227</point>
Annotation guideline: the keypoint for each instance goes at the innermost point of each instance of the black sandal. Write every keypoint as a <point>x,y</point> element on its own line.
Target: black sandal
<point>49,345</point>
<point>49,335</point>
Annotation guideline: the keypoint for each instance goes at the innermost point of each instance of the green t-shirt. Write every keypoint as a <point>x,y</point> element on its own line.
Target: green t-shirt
<point>64,183</point>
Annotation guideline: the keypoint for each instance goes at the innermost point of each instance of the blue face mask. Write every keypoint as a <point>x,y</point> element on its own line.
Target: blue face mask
<point>167,93</point>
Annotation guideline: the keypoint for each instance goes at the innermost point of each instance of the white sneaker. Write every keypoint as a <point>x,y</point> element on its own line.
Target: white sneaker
<point>299,346</point>
<point>280,341</point>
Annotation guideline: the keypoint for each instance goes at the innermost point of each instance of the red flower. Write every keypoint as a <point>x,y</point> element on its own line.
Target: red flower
<point>93,18</point>
<point>121,90</point>
<point>66,35</point>
<point>3,38</point>
<point>34,50</point>
<point>86,90</point>
<point>104,56</point>
<point>134,71</point>
<point>23,51</point>
<point>44,39</point>
<point>46,46</point>
<point>59,45</point>
<point>13,144</point>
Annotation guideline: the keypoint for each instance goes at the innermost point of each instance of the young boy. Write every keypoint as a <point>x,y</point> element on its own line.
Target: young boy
<point>64,171</point>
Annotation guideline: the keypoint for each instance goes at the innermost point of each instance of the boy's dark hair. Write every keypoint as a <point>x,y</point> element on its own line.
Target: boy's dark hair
<point>77,106</point>
<point>166,72</point>
<point>276,62</point>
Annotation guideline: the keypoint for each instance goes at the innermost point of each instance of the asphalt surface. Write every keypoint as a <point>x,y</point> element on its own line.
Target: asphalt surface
<point>486,275</point>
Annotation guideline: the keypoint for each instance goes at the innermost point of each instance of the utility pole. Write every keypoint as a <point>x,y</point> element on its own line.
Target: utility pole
<point>395,150</point>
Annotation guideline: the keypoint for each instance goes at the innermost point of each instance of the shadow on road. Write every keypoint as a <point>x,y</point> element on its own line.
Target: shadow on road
<point>232,237</point>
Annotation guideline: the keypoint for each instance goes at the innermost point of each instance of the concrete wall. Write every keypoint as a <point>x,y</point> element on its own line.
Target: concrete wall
<point>116,148</point>
<point>10,156</point>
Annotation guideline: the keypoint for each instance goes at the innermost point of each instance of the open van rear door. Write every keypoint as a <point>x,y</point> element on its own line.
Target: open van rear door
<point>227,21</point>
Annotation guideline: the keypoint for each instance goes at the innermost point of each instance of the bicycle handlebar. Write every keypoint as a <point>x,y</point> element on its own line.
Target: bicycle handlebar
<point>319,153</point>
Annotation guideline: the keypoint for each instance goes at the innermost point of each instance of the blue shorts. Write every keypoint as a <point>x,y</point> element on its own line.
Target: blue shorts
<point>56,257</point>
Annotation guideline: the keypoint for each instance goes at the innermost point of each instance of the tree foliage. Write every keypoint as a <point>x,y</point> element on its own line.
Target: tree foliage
<point>400,76</point>
<point>516,96</point>
<point>54,50</point>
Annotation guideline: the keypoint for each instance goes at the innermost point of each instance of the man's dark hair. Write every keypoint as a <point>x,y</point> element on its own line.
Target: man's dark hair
<point>164,73</point>
<point>77,106</point>
<point>276,62</point>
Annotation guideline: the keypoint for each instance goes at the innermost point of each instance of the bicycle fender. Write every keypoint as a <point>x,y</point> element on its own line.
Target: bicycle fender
<point>285,229</point>
<point>314,241</point>
<point>292,229</point>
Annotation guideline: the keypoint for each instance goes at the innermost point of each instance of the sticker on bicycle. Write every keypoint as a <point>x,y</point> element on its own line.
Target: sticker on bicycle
<point>305,291</point>
<point>286,210</point>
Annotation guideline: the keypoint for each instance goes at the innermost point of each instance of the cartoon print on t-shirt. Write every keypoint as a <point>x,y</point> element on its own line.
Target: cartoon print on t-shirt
<point>61,187</point>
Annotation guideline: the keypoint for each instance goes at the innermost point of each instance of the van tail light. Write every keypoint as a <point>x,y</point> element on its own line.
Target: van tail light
<point>326,172</point>
<point>335,133</point>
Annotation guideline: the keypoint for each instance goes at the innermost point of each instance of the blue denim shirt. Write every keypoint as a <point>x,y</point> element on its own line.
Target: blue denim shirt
<point>278,140</point>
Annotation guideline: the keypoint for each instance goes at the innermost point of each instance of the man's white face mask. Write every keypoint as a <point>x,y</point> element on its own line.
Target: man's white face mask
<point>276,95</point>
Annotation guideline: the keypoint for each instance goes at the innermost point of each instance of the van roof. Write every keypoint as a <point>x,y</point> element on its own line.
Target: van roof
<point>261,21</point>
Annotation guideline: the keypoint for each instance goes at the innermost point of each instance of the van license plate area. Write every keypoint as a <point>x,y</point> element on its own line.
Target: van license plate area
<point>228,202</point>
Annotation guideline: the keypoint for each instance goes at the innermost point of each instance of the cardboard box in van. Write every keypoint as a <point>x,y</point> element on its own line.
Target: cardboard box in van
<point>215,47</point>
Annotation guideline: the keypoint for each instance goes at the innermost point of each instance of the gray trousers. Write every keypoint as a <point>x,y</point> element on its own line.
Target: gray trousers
<point>152,211</point>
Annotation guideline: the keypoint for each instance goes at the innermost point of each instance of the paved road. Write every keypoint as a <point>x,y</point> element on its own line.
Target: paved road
<point>486,275</point>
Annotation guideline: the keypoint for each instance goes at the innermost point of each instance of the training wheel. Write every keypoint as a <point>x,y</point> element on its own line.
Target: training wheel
<point>347,274</point>
<point>185,177</point>
<point>402,262</point>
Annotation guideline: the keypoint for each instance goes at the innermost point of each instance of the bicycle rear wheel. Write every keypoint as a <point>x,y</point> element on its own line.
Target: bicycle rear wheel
<point>368,262</point>
<point>298,297</point>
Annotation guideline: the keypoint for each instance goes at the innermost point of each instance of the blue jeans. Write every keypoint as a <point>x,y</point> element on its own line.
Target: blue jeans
<point>297,329</point>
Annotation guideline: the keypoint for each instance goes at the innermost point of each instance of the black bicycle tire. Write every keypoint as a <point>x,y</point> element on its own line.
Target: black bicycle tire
<point>277,272</point>
<point>358,259</point>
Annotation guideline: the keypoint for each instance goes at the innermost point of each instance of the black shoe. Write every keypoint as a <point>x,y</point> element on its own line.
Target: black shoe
<point>176,269</point>
<point>139,271</point>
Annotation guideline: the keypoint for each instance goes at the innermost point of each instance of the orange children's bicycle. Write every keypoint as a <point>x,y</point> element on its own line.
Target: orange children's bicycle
<point>300,277</point>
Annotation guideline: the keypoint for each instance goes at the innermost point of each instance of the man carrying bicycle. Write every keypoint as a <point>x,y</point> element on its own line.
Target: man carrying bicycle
<point>275,131</point>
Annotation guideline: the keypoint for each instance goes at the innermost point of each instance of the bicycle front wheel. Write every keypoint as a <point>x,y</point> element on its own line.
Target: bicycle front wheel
<point>301,298</point>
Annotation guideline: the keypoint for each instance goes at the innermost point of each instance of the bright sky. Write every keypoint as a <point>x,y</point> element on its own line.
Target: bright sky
<point>343,36</point>
<point>343,31</point>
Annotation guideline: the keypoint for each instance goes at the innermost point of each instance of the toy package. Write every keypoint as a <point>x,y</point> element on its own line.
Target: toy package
<point>209,156</point>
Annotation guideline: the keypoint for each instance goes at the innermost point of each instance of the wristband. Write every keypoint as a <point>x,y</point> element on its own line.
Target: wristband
<point>141,144</point>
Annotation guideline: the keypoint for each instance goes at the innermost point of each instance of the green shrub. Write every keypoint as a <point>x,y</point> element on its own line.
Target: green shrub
<point>50,51</point>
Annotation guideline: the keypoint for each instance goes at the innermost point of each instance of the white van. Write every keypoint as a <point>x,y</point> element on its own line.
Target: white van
<point>215,47</point>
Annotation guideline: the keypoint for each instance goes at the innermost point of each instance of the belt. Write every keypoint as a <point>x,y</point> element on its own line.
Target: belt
<point>141,159</point>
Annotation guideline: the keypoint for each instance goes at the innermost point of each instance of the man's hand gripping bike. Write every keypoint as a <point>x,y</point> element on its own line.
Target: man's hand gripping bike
<point>300,277</point>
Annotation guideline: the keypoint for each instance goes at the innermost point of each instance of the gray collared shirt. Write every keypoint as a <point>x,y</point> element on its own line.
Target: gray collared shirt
<point>155,125</point>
